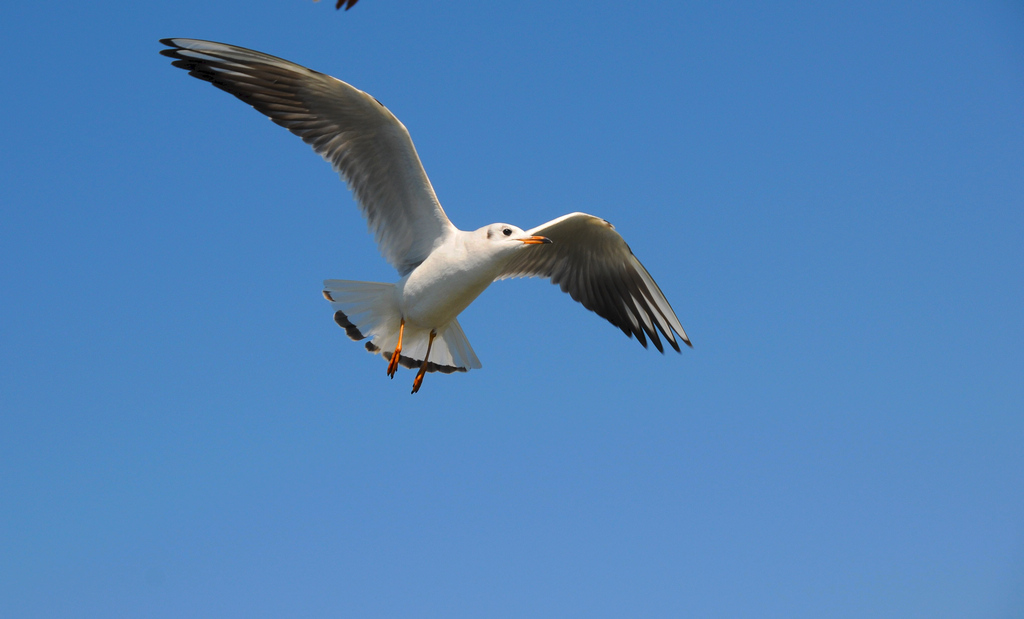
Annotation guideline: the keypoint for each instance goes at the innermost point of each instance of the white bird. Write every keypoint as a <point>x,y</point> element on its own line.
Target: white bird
<point>443,269</point>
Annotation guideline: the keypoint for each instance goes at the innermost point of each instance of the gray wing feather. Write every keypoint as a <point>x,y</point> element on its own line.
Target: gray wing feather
<point>591,262</point>
<point>364,142</point>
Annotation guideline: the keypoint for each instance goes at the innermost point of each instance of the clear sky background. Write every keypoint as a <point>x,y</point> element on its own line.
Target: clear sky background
<point>830,195</point>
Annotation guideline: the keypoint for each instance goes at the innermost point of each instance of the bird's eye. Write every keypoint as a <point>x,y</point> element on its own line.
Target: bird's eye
<point>507,231</point>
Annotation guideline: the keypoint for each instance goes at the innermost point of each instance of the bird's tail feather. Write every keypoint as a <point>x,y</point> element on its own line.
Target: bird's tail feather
<point>370,310</point>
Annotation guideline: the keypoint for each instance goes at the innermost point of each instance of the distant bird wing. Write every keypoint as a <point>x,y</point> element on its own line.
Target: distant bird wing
<point>592,262</point>
<point>364,142</point>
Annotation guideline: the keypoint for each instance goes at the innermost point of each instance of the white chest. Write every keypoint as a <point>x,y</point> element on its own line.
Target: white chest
<point>437,291</point>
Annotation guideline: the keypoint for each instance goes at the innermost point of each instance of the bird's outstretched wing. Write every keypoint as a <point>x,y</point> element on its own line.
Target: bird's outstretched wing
<point>592,262</point>
<point>366,144</point>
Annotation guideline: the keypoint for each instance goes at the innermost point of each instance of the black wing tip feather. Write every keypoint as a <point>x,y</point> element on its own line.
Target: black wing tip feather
<point>350,329</point>
<point>673,342</point>
<point>611,313</point>
<point>251,82</point>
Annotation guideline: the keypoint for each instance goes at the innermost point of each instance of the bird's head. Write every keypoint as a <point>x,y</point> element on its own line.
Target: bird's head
<point>509,237</point>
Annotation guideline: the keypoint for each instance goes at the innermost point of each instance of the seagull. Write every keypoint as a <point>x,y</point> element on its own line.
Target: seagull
<point>442,269</point>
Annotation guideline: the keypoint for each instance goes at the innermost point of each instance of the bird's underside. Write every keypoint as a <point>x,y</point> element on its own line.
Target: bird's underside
<point>413,323</point>
<point>375,317</point>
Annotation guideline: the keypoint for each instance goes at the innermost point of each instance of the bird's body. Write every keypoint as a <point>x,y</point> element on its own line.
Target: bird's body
<point>444,284</point>
<point>442,269</point>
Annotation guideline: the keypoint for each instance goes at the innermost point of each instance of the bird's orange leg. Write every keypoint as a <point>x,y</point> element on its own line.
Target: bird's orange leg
<point>423,367</point>
<point>393,363</point>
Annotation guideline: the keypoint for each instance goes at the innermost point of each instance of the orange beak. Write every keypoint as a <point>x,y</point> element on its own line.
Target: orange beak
<point>535,240</point>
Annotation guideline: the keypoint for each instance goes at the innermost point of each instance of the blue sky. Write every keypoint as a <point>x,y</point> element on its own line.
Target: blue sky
<point>829,195</point>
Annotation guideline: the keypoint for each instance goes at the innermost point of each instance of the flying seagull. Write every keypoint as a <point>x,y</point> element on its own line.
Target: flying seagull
<point>443,269</point>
